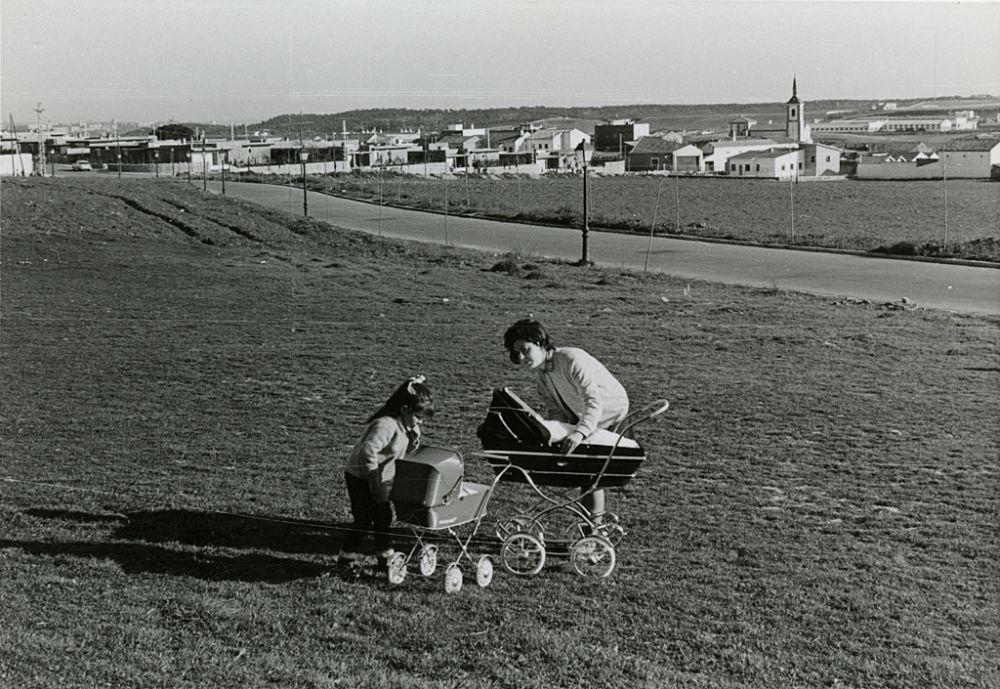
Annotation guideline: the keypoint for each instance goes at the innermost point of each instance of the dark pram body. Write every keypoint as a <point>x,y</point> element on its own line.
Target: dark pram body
<point>521,446</point>
<point>515,434</point>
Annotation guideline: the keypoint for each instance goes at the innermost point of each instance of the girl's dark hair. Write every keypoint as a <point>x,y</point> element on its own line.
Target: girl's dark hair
<point>528,330</point>
<point>413,394</point>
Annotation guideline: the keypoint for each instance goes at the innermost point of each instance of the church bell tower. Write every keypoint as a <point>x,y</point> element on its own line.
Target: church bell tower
<point>795,121</point>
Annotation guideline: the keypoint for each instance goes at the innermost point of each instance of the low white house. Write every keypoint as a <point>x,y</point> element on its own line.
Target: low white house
<point>551,140</point>
<point>718,153</point>
<point>775,163</point>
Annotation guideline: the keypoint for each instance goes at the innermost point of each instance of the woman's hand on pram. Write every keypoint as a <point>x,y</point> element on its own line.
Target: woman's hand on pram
<point>570,442</point>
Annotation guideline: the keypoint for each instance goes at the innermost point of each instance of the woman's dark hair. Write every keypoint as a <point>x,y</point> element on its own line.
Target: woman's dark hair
<point>528,330</point>
<point>413,394</point>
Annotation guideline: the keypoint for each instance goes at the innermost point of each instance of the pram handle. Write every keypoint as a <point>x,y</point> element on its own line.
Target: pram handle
<point>633,419</point>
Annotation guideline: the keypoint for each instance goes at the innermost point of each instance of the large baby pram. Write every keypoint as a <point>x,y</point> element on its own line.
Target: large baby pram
<point>521,446</point>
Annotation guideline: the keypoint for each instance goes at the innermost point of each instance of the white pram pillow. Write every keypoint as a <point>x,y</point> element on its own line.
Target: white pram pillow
<point>559,430</point>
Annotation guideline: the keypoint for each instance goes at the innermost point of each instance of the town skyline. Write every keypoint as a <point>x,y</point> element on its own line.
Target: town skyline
<point>248,62</point>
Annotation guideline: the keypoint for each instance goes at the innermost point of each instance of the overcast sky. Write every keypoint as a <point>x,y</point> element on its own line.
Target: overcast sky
<point>248,60</point>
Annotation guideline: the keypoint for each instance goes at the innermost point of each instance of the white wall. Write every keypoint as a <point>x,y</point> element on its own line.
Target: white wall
<point>15,165</point>
<point>954,164</point>
<point>899,171</point>
<point>974,164</point>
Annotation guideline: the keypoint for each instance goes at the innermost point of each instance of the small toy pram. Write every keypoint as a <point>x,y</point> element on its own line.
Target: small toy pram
<point>430,495</point>
<point>518,445</point>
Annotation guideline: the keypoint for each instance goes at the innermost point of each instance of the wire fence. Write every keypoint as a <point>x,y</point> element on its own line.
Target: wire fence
<point>946,218</point>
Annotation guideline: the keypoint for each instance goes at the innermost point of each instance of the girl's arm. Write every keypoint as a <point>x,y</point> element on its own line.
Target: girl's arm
<point>376,439</point>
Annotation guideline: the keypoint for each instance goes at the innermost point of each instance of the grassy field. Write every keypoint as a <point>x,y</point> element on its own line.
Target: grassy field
<point>183,375</point>
<point>960,219</point>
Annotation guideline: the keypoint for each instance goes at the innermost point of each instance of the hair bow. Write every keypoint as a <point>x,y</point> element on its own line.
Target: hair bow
<point>414,380</point>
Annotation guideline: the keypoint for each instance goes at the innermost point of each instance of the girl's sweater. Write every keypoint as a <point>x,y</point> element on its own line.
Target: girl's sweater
<point>374,456</point>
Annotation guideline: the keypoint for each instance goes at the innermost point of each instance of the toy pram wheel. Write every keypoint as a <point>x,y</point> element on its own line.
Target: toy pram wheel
<point>484,571</point>
<point>522,554</point>
<point>593,556</point>
<point>397,568</point>
<point>452,578</point>
<point>428,560</point>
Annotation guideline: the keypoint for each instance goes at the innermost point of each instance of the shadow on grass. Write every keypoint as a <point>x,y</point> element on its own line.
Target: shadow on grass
<point>136,544</point>
<point>135,558</point>
<point>202,544</point>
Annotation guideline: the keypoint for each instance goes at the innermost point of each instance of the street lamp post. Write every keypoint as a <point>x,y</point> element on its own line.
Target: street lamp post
<point>583,155</point>
<point>303,157</point>
<point>225,155</point>
<point>52,161</point>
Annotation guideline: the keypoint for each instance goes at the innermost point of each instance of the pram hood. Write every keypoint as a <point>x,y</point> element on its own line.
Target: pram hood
<point>515,435</point>
<point>511,419</point>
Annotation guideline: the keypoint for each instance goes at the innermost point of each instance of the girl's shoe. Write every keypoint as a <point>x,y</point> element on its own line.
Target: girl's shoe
<point>383,559</point>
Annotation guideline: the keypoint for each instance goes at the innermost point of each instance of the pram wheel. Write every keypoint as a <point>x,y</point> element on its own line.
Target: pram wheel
<point>428,560</point>
<point>397,568</point>
<point>593,556</point>
<point>453,578</point>
<point>484,571</point>
<point>518,524</point>
<point>522,554</point>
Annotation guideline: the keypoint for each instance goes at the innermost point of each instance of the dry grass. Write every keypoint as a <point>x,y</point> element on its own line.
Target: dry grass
<point>180,388</point>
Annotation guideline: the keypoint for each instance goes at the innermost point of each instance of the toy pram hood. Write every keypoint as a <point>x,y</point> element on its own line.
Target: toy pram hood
<point>510,419</point>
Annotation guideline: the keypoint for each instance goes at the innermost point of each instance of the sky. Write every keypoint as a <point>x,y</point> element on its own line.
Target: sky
<point>245,61</point>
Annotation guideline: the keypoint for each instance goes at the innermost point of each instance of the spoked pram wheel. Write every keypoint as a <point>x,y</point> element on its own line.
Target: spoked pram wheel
<point>593,556</point>
<point>452,578</point>
<point>608,528</point>
<point>522,554</point>
<point>508,527</point>
<point>428,560</point>
<point>397,568</point>
<point>484,571</point>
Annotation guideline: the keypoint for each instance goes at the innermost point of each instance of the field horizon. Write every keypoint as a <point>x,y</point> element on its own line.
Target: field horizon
<point>184,374</point>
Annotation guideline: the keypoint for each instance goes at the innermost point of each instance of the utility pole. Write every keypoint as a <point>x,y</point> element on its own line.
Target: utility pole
<point>17,147</point>
<point>41,139</point>
<point>118,149</point>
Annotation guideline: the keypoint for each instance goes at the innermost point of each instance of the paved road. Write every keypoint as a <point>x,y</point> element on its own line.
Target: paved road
<point>931,285</point>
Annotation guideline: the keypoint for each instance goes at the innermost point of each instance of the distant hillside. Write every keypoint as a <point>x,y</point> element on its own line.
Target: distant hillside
<point>659,116</point>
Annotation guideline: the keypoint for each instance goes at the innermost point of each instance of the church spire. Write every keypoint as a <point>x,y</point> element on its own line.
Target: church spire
<point>795,91</point>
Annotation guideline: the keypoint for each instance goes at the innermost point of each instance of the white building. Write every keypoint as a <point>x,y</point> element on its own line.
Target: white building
<point>770,164</point>
<point>718,153</point>
<point>960,159</point>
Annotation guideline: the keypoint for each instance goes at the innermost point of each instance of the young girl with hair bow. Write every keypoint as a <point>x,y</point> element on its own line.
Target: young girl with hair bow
<point>391,433</point>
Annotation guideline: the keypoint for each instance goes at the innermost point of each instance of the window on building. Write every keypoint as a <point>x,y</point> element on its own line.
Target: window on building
<point>812,159</point>
<point>758,167</point>
<point>828,159</point>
